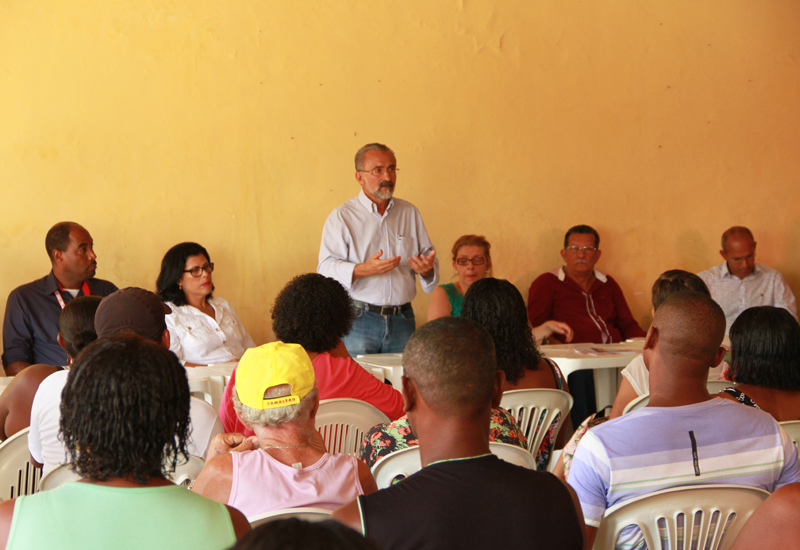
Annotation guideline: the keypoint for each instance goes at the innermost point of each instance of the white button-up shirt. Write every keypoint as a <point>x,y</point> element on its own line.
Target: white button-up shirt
<point>197,338</point>
<point>356,230</point>
<point>763,287</point>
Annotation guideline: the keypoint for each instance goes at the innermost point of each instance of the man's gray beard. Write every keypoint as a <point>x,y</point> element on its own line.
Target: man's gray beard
<point>385,192</point>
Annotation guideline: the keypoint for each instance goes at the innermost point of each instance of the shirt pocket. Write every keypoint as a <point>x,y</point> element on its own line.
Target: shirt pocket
<point>405,247</point>
<point>231,328</point>
<point>193,335</point>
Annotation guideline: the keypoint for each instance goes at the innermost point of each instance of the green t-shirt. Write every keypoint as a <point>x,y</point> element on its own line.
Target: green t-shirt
<point>83,516</point>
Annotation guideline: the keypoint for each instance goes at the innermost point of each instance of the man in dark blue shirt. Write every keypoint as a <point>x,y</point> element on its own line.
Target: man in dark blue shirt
<point>30,327</point>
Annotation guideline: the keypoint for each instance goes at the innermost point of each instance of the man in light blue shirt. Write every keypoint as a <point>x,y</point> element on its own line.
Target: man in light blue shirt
<point>741,283</point>
<point>376,246</point>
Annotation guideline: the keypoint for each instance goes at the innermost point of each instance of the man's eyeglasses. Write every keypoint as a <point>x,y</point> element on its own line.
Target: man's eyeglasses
<point>379,171</point>
<point>576,249</point>
<point>197,270</point>
<point>478,260</point>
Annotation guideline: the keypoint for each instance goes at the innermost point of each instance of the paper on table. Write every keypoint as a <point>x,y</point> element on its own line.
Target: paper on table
<point>596,351</point>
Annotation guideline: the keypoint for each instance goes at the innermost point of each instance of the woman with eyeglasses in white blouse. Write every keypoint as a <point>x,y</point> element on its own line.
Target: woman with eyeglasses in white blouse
<point>203,328</point>
<point>472,262</point>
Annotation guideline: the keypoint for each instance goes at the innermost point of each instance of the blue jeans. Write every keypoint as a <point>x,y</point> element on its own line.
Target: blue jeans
<point>374,333</point>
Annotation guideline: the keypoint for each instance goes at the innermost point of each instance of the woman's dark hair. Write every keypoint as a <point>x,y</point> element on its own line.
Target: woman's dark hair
<point>314,311</point>
<point>172,267</point>
<point>293,533</point>
<point>765,348</point>
<point>125,410</point>
<point>673,281</point>
<point>76,323</point>
<point>498,306</point>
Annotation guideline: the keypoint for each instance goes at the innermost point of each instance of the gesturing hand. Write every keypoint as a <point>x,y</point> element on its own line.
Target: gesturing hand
<point>423,264</point>
<point>375,266</point>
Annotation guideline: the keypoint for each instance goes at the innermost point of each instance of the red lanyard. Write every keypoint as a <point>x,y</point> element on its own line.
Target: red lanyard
<point>84,288</point>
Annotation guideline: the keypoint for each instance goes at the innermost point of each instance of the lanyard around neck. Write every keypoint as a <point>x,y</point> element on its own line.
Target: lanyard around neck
<point>84,288</point>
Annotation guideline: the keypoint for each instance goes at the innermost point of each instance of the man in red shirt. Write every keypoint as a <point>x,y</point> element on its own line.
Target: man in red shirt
<point>589,301</point>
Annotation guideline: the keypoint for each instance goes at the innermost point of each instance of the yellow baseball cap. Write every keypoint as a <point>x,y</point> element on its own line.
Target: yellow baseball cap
<point>270,365</point>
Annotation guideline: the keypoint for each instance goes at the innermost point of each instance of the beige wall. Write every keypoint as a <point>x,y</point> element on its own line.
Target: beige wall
<point>234,124</point>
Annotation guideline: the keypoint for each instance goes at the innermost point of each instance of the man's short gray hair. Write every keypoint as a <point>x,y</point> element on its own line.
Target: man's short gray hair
<point>370,147</point>
<point>273,417</point>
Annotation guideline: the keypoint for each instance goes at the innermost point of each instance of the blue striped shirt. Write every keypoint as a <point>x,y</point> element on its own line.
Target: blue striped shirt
<point>655,448</point>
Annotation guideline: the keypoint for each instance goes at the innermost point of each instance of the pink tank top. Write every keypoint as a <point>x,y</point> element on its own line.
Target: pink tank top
<point>262,484</point>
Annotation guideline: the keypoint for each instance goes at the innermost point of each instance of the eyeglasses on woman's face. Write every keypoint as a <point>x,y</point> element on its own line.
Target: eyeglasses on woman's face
<point>197,270</point>
<point>477,260</point>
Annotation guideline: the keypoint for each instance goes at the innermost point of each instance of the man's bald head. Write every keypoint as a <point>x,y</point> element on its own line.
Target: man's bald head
<point>452,362</point>
<point>690,327</point>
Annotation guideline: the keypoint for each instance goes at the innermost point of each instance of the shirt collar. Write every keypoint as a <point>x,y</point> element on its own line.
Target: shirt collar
<point>50,283</point>
<point>725,273</point>
<point>363,199</point>
<point>562,274</point>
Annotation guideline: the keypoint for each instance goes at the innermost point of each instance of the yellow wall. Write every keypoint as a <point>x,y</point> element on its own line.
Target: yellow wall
<point>234,124</point>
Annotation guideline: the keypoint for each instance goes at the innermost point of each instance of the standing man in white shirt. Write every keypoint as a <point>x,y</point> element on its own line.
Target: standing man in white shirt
<point>740,282</point>
<point>376,246</point>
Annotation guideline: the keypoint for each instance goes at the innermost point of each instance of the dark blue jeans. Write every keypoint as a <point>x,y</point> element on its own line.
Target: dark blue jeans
<point>374,333</point>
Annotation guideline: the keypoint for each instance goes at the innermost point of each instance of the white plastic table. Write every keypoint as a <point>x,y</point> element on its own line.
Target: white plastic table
<point>604,359</point>
<point>209,382</point>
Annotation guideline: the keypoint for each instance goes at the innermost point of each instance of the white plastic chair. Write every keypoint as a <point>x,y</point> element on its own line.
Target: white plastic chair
<point>406,462</point>
<point>18,476</point>
<point>185,473</point>
<point>714,387</point>
<point>57,476</point>
<point>307,514</point>
<point>637,403</point>
<point>528,406</point>
<point>792,429</point>
<point>513,454</point>
<point>343,422</point>
<point>200,385</point>
<point>711,515</point>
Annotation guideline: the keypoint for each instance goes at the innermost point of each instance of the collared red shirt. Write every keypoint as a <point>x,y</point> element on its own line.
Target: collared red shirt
<point>601,316</point>
<point>30,327</point>
<point>763,287</point>
<point>356,230</point>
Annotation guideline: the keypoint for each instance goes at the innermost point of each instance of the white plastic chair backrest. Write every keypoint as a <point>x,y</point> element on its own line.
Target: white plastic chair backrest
<point>200,385</point>
<point>792,429</point>
<point>342,423</point>
<point>186,472</point>
<point>55,477</point>
<point>404,462</point>
<point>307,514</point>
<point>18,476</point>
<point>637,403</point>
<point>513,454</point>
<point>716,386</point>
<point>528,406</point>
<point>710,514</point>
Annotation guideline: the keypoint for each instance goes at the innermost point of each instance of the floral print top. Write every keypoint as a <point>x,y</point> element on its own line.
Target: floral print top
<point>384,439</point>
